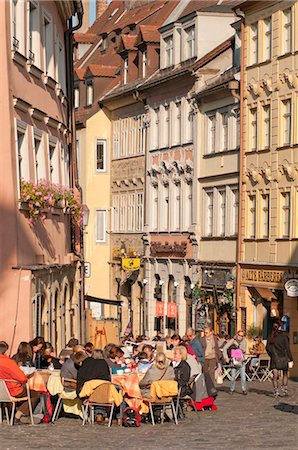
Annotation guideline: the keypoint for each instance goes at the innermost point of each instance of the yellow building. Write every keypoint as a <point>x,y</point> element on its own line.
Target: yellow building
<point>268,255</point>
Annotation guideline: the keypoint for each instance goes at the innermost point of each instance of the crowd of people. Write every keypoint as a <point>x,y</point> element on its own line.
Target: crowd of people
<point>164,358</point>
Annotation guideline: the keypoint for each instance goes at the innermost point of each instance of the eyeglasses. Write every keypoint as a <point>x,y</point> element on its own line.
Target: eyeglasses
<point>240,335</point>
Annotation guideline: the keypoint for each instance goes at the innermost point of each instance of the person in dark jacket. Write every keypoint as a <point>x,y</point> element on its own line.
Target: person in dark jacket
<point>181,368</point>
<point>93,368</point>
<point>196,345</point>
<point>278,348</point>
<point>211,352</point>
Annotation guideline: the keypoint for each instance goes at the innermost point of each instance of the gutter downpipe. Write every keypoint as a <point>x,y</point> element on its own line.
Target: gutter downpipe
<point>74,167</point>
<point>241,162</point>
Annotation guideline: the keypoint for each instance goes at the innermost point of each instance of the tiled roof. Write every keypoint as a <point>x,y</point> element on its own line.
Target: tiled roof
<point>208,5</point>
<point>80,73</point>
<point>149,33</point>
<point>127,42</point>
<point>84,38</point>
<point>98,70</point>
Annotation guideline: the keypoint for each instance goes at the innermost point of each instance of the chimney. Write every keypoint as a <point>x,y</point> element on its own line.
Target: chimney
<point>101,5</point>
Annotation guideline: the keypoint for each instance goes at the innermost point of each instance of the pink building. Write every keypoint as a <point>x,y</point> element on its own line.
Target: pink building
<point>40,260</point>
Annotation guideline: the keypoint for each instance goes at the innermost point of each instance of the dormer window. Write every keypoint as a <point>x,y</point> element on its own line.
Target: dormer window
<point>190,42</point>
<point>169,51</point>
<point>76,97</point>
<point>105,42</point>
<point>125,71</point>
<point>89,93</point>
<point>144,63</point>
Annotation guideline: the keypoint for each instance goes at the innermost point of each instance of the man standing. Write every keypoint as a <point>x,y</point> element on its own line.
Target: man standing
<point>236,356</point>
<point>195,344</point>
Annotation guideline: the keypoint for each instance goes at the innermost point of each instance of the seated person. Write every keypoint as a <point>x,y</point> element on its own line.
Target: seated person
<point>50,357</point>
<point>68,350</point>
<point>159,371</point>
<point>89,347</point>
<point>258,347</point>
<point>143,362</point>
<point>24,355</point>
<point>93,368</point>
<point>9,370</point>
<point>149,350</point>
<point>70,370</point>
<point>115,359</point>
<point>195,366</point>
<point>181,368</point>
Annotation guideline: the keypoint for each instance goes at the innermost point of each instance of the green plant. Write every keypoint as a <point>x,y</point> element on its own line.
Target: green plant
<point>253,331</point>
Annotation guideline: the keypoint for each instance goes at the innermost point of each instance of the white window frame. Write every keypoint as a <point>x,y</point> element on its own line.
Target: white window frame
<point>253,129</point>
<point>144,63</point>
<point>122,212</point>
<point>287,26</point>
<point>48,44</point>
<point>18,26</point>
<point>103,142</point>
<point>104,217</point>
<point>54,166</point>
<point>169,50</point>
<point>139,211</point>
<point>286,121</point>
<point>188,132</point>
<point>252,216</point>
<point>221,212</point>
<point>267,47</point>
<point>125,70</point>
<point>115,213</point>
<point>89,96</point>
<point>266,126</point>
<point>39,156</point>
<point>190,41</point>
<point>235,211</point>
<point>177,123</point>
<point>286,214</point>
<point>210,132</point>
<point>265,215</point>
<point>254,42</point>
<point>209,212</point>
<point>33,46</point>
<point>224,145</point>
<point>22,153</point>
<point>76,97</point>
<point>116,138</point>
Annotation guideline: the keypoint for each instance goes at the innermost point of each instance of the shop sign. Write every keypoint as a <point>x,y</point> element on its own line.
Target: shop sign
<point>159,309</point>
<point>264,276</point>
<point>172,310</point>
<point>201,319</point>
<point>167,249</point>
<point>291,287</point>
<point>131,263</point>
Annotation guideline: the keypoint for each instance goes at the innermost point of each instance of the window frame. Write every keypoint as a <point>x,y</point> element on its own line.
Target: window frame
<point>104,159</point>
<point>285,217</point>
<point>254,43</point>
<point>286,117</point>
<point>105,222</point>
<point>267,36</point>
<point>89,89</point>
<point>287,27</point>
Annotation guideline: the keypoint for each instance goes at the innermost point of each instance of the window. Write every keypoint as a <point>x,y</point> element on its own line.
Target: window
<point>222,212</point>
<point>267,38</point>
<point>139,211</point>
<point>39,157</point>
<point>76,97</point>
<point>177,124</point>
<point>101,225</point>
<point>254,44</point>
<point>60,61</point>
<point>154,216</point>
<point>54,162</point>
<point>18,25</point>
<point>266,127</point>
<point>89,93</point>
<point>176,209</point>
<point>189,123</point>
<point>265,216</point>
<point>155,128</point>
<point>101,155</point>
<point>287,30</point>
<point>116,137</point>
<point>286,125</point>
<point>115,205</point>
<point>285,214</point>
<point>66,166</point>
<point>253,129</point>
<point>225,131</point>
<point>252,216</point>
<point>144,63</point>
<point>190,42</point>
<point>164,208</point>
<point>23,155</point>
<point>235,212</point>
<point>105,42</point>
<point>169,51</point>
<point>34,34</point>
<point>140,139</point>
<point>211,121</point>
<point>209,213</point>
<point>125,71</point>
<point>122,213</point>
<point>131,212</point>
<point>14,21</point>
<point>167,127</point>
<point>48,42</point>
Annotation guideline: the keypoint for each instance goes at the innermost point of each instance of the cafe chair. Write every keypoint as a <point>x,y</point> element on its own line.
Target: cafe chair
<point>62,396</point>
<point>100,397</point>
<point>164,402</point>
<point>186,398</point>
<point>6,398</point>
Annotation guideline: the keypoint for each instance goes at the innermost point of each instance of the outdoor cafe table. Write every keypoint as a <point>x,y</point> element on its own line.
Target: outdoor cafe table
<point>130,386</point>
<point>38,380</point>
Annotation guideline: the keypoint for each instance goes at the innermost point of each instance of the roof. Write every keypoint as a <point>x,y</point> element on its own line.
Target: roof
<point>148,33</point>
<point>99,70</point>
<point>84,38</point>
<point>80,73</point>
<point>127,42</point>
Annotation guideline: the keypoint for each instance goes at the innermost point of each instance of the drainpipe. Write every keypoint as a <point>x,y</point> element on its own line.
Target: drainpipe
<point>73,159</point>
<point>241,161</point>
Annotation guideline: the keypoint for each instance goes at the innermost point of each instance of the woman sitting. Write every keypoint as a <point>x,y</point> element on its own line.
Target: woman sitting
<point>23,357</point>
<point>115,359</point>
<point>159,371</point>
<point>93,368</point>
<point>181,368</point>
<point>37,345</point>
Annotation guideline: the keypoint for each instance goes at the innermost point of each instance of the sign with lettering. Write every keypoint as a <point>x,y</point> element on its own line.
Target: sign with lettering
<point>291,286</point>
<point>264,276</point>
<point>159,309</point>
<point>87,269</point>
<point>168,249</point>
<point>131,263</point>
<point>172,310</point>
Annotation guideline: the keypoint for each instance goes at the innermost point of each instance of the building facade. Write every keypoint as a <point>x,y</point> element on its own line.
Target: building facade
<point>41,276</point>
<point>268,252</point>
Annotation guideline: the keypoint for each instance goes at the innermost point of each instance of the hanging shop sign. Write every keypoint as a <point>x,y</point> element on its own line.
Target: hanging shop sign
<point>177,249</point>
<point>172,310</point>
<point>201,319</point>
<point>131,263</point>
<point>159,309</point>
<point>267,276</point>
<point>291,286</point>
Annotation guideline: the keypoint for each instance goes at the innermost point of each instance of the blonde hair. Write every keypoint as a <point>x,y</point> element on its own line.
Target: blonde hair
<point>161,360</point>
<point>78,348</point>
<point>183,352</point>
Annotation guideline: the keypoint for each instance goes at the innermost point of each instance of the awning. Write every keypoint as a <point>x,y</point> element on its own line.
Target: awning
<point>263,293</point>
<point>125,287</point>
<point>104,301</point>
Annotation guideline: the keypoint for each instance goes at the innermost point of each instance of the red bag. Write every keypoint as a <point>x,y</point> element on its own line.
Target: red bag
<point>131,417</point>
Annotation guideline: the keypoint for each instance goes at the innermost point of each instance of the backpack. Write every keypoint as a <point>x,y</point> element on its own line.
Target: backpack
<point>131,417</point>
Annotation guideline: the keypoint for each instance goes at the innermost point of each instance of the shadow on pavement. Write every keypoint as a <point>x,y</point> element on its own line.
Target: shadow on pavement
<point>285,407</point>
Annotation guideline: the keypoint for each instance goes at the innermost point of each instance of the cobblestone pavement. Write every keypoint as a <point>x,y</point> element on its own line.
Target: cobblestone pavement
<point>241,422</point>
